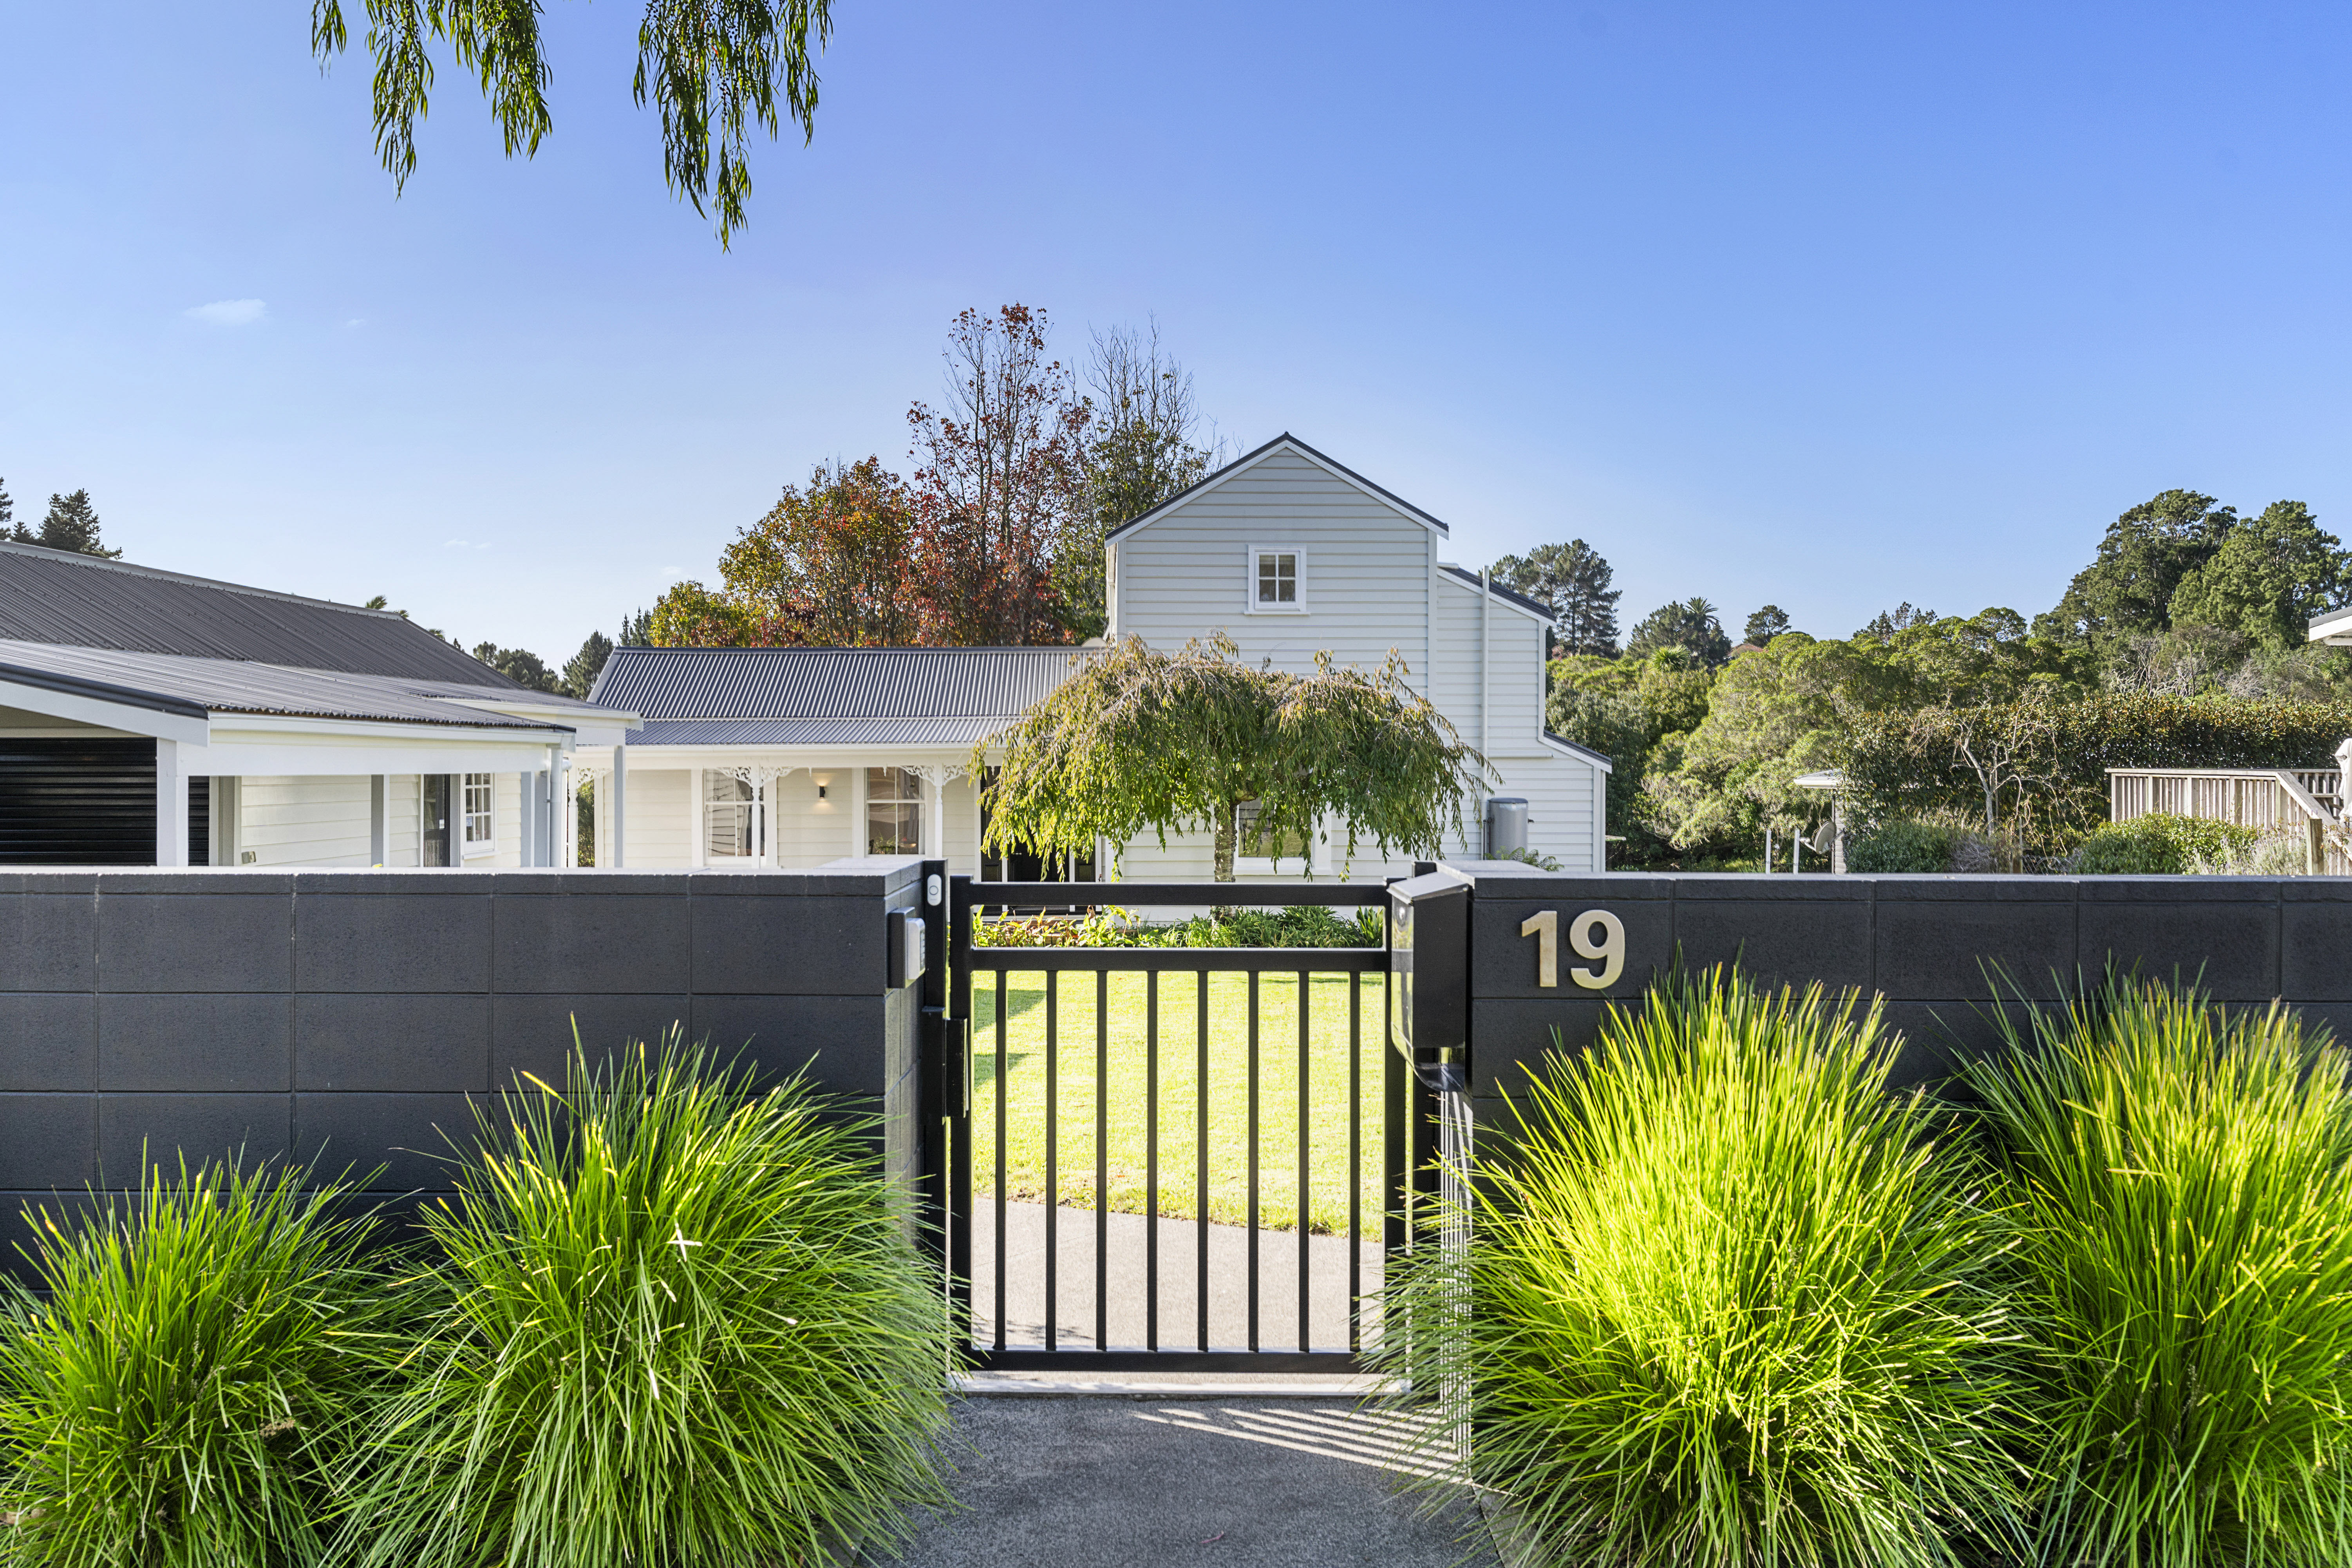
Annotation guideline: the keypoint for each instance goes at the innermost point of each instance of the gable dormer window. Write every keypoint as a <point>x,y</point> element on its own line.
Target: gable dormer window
<point>1275,581</point>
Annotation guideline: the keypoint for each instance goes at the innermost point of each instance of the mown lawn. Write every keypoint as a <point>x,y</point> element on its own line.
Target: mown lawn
<point>1120,1094</point>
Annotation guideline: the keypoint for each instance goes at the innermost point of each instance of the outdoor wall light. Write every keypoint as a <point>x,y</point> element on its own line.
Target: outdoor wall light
<point>820,791</point>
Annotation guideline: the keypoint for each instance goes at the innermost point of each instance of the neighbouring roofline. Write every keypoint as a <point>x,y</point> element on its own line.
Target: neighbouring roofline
<point>1573,749</point>
<point>1508,595</point>
<point>101,563</point>
<point>1250,460</point>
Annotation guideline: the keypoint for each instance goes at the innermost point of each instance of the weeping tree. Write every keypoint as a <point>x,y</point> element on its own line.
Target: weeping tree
<point>1140,741</point>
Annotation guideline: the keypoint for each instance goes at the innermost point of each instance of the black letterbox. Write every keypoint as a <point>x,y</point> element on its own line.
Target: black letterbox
<point>1429,978</point>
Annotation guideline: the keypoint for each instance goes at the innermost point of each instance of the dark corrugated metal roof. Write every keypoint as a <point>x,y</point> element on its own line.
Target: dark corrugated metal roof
<point>79,601</point>
<point>817,732</point>
<point>829,682</point>
<point>171,683</point>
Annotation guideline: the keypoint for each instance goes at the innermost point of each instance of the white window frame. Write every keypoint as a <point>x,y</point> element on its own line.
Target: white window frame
<point>487,844</point>
<point>1267,866</point>
<point>868,801</point>
<point>743,808</point>
<point>1257,552</point>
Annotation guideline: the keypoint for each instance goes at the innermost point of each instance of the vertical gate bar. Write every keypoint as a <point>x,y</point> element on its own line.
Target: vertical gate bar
<point>1052,1129</point>
<point>1306,1255</point>
<point>1356,1164</point>
<point>1152,1160</point>
<point>1002,1094</point>
<point>959,957</point>
<point>1253,1158</point>
<point>1102,1159</point>
<point>1396,1170</point>
<point>1201,1188</point>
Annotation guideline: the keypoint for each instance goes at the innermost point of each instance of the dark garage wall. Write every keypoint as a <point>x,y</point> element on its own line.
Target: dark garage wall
<point>345,1016</point>
<point>1922,943</point>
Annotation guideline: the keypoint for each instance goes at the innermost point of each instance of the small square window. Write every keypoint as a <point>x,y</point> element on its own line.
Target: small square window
<point>1278,577</point>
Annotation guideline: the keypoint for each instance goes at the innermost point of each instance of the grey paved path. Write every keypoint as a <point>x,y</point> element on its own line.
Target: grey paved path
<point>1137,1483</point>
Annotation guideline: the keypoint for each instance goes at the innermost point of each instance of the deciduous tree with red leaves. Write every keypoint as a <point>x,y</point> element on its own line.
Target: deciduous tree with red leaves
<point>1000,481</point>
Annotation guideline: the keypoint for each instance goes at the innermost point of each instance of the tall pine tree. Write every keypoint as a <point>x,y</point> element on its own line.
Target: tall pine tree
<point>1573,580</point>
<point>71,524</point>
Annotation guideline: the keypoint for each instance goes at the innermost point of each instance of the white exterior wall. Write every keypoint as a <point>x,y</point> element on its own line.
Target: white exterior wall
<point>659,834</point>
<point>961,805</point>
<point>401,845</point>
<point>1364,574</point>
<point>305,821</point>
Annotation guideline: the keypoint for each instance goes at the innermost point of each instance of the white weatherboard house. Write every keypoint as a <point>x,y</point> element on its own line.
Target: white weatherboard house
<point>797,756</point>
<point>149,717</point>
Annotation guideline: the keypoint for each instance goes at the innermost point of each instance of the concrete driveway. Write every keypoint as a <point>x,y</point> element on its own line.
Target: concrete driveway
<point>1130,1482</point>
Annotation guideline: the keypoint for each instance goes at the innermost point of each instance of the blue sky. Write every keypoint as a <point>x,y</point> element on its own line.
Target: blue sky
<point>1830,306</point>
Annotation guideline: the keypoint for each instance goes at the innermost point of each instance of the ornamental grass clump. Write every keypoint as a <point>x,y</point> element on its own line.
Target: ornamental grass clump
<point>1726,1300</point>
<point>2183,1212</point>
<point>675,1320</point>
<point>189,1390</point>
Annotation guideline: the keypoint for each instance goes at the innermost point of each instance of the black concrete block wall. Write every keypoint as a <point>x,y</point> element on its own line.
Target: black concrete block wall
<point>352,1018</point>
<point>1926,945</point>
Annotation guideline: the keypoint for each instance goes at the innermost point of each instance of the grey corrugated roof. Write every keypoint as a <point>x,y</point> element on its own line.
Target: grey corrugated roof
<point>79,601</point>
<point>829,682</point>
<point>956,732</point>
<point>175,684</point>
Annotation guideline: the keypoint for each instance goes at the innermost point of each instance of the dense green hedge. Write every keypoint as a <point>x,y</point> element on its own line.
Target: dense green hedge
<point>2055,790</point>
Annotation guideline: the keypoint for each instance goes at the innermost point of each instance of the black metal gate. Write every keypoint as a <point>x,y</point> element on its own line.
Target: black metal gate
<point>1167,1242</point>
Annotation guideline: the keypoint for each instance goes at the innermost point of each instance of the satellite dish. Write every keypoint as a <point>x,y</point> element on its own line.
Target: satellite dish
<point>1819,839</point>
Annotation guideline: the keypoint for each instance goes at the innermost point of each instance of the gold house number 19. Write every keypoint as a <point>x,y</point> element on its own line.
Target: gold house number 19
<point>1609,950</point>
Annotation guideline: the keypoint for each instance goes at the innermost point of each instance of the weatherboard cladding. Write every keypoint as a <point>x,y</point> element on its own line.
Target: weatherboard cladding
<point>832,683</point>
<point>176,684</point>
<point>77,601</point>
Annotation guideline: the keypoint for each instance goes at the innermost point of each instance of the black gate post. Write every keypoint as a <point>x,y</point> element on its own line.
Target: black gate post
<point>931,1108</point>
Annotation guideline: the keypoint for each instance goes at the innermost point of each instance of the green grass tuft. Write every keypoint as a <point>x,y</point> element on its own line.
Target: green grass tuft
<point>1727,1300</point>
<point>2184,1224</point>
<point>189,1390</point>
<point>676,1322</point>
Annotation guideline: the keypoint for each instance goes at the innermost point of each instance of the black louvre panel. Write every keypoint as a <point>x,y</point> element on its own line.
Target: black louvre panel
<point>200,821</point>
<point>77,802</point>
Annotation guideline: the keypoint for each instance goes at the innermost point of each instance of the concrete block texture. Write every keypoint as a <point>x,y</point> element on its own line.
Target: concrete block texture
<point>385,1143</point>
<point>199,1043</point>
<point>393,941</point>
<point>392,1043</point>
<point>1936,948</point>
<point>49,942</point>
<point>194,942</point>
<point>355,1012</point>
<point>1791,941</point>
<point>48,1040</point>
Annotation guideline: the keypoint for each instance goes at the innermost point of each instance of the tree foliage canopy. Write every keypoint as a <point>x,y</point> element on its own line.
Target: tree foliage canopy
<point>715,67</point>
<point>1691,624</point>
<point>70,523</point>
<point>2181,560</point>
<point>1573,580</point>
<point>1140,741</point>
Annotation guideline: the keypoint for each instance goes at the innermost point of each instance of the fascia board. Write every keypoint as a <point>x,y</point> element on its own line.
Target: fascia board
<point>2335,626</point>
<point>1445,571</point>
<point>390,731</point>
<point>100,712</point>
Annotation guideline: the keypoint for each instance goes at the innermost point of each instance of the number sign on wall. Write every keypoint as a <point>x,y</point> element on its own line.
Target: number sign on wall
<point>1609,950</point>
